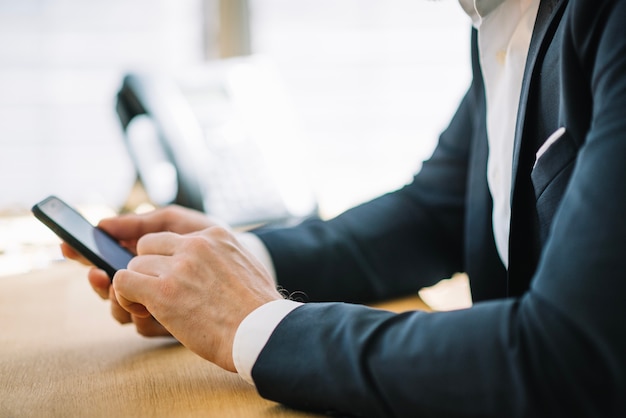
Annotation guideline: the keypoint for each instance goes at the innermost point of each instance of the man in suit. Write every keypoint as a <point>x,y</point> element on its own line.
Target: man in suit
<point>524,192</point>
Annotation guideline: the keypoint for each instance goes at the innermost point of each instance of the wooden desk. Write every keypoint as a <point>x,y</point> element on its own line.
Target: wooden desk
<point>61,354</point>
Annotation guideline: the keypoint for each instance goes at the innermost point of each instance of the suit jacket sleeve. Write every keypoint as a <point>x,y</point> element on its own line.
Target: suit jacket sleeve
<point>558,350</point>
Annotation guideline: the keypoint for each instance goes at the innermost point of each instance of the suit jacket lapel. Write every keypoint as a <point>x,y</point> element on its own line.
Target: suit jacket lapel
<point>524,243</point>
<point>547,11</point>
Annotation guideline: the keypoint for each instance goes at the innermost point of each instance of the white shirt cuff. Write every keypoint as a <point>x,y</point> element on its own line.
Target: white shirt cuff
<point>254,332</point>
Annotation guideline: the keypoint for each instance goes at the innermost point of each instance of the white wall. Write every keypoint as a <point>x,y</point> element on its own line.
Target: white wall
<point>61,63</point>
<point>374,82</point>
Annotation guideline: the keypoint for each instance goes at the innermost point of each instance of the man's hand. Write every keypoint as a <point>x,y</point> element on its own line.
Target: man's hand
<point>131,227</point>
<point>199,286</point>
<point>128,229</point>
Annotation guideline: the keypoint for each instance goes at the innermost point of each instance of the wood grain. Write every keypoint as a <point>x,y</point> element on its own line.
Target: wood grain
<point>62,355</point>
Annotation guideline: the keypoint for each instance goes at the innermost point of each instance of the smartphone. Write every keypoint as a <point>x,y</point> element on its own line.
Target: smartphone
<point>90,241</point>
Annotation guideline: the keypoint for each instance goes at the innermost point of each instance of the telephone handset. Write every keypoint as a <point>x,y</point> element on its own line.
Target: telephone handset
<point>219,139</point>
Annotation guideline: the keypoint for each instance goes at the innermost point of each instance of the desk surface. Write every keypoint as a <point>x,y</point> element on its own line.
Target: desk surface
<point>61,354</point>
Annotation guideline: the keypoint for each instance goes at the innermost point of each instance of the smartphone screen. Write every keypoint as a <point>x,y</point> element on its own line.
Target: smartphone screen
<point>91,242</point>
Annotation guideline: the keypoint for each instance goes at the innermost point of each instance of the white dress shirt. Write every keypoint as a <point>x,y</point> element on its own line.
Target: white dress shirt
<point>503,39</point>
<point>504,33</point>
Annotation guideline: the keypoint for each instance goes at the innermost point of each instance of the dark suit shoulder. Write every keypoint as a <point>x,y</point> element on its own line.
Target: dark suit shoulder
<point>593,23</point>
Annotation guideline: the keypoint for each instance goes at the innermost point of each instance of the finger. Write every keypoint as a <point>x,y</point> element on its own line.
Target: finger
<point>132,226</point>
<point>99,281</point>
<point>134,291</point>
<point>146,326</point>
<point>71,254</point>
<point>133,308</point>
<point>161,243</point>
<point>117,312</point>
<point>149,327</point>
<point>123,227</point>
<point>149,264</point>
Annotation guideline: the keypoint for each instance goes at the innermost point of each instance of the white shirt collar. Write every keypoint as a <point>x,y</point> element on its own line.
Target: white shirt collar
<point>479,9</point>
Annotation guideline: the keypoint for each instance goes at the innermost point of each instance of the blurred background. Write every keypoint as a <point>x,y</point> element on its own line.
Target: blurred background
<point>370,83</point>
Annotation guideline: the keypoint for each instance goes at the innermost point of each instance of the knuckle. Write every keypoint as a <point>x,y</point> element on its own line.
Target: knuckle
<point>221,233</point>
<point>194,244</point>
<point>180,264</point>
<point>141,243</point>
<point>133,265</point>
<point>120,278</point>
<point>172,212</point>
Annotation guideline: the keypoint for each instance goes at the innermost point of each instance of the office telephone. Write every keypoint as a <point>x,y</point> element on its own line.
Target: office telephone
<point>219,138</point>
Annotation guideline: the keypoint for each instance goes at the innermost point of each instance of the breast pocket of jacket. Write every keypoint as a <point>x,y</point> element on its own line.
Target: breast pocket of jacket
<point>551,174</point>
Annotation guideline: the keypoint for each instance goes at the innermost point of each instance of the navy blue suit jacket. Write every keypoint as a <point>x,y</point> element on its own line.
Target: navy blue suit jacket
<point>546,338</point>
